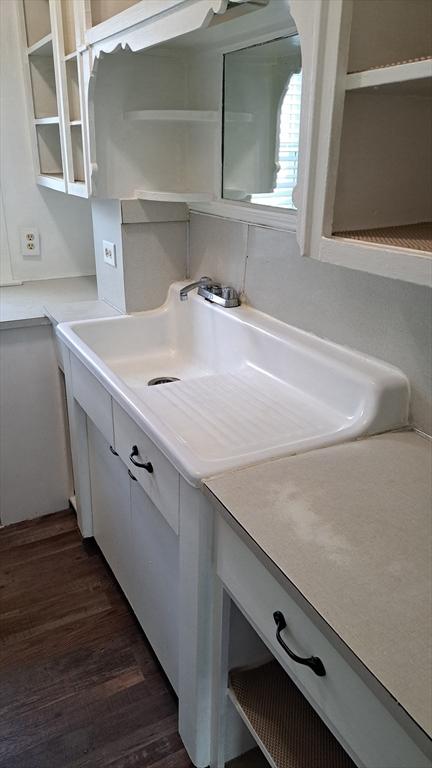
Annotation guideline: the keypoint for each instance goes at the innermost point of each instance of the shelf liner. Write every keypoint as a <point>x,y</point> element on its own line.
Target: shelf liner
<point>414,236</point>
<point>392,64</point>
<point>292,732</point>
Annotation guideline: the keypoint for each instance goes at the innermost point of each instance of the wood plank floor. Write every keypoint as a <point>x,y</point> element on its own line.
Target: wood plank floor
<point>79,686</point>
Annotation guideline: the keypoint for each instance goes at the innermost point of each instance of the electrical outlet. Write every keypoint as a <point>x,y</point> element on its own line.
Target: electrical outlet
<point>109,253</point>
<point>30,241</point>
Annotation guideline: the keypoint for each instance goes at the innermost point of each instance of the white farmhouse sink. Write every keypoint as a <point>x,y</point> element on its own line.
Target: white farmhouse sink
<point>251,388</point>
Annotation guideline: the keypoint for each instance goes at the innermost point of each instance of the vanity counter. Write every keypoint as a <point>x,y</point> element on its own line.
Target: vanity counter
<point>40,302</point>
<point>350,527</point>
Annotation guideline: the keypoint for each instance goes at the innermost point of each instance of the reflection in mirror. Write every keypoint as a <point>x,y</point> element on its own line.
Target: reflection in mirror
<point>262,93</point>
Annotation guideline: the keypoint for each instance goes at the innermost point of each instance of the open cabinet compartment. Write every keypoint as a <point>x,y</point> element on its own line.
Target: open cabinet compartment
<point>384,181</point>
<point>49,150</point>
<point>102,10</point>
<point>37,20</point>
<point>156,134</point>
<point>43,82</point>
<point>68,24</point>
<point>388,33</point>
<point>77,153</point>
<point>73,89</point>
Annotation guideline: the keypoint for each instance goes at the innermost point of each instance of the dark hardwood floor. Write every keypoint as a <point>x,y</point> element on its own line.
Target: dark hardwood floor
<point>79,686</point>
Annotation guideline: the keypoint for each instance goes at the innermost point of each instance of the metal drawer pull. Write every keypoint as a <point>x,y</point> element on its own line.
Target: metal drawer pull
<point>143,465</point>
<point>313,662</point>
<point>132,477</point>
<point>114,453</point>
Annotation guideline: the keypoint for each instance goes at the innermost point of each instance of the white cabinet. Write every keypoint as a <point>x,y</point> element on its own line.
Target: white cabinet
<point>372,732</point>
<point>369,191</point>
<point>110,490</point>
<point>57,70</point>
<point>140,547</point>
<point>155,556</point>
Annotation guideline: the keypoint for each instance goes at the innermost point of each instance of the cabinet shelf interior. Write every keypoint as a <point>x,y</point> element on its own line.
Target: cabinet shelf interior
<point>77,153</point>
<point>285,726</point>
<point>388,33</point>
<point>412,236</point>
<point>37,20</point>
<point>73,90</point>
<point>102,10</point>
<point>43,84</point>
<point>68,23</point>
<point>49,150</point>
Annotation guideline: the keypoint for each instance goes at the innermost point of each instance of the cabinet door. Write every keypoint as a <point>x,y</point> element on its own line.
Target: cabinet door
<point>110,493</point>
<point>155,554</point>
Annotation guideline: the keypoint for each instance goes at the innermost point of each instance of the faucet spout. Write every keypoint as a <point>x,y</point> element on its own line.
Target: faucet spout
<point>203,282</point>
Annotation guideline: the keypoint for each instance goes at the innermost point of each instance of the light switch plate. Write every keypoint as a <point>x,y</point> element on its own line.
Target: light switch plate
<point>109,253</point>
<point>30,241</point>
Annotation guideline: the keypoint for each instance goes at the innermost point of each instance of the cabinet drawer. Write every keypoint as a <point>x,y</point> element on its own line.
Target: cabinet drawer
<point>349,707</point>
<point>93,398</point>
<point>162,485</point>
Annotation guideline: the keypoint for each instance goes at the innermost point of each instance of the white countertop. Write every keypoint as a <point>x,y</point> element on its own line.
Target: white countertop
<point>350,527</point>
<point>40,302</point>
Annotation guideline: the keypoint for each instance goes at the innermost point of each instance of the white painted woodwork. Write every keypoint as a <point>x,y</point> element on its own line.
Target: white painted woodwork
<point>140,547</point>
<point>57,73</point>
<point>349,707</point>
<point>371,150</point>
<point>93,398</point>
<point>409,73</point>
<point>111,507</point>
<point>162,485</point>
<point>154,553</point>
<point>35,476</point>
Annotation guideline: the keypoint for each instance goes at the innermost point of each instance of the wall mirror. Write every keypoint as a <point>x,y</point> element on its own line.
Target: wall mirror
<point>261,122</point>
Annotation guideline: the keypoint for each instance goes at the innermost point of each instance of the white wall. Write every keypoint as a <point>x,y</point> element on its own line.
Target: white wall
<point>64,222</point>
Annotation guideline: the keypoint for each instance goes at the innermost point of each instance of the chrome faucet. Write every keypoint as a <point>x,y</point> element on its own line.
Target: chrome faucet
<point>210,289</point>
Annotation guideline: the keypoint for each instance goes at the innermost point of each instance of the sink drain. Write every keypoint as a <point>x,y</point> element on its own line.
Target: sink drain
<point>161,380</point>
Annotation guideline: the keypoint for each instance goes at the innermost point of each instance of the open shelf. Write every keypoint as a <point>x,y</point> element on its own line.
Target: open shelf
<point>73,89</point>
<point>413,236</point>
<point>386,33</point>
<point>418,73</point>
<point>68,22</point>
<point>49,150</point>
<point>285,726</point>
<point>37,20</point>
<point>77,153</point>
<point>102,10</point>
<point>383,177</point>
<point>173,197</point>
<point>173,115</point>
<point>43,82</point>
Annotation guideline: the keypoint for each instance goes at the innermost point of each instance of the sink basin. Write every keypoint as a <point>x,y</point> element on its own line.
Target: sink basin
<point>250,387</point>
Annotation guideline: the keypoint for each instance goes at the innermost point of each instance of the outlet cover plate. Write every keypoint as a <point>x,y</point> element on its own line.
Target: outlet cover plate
<point>109,253</point>
<point>30,241</point>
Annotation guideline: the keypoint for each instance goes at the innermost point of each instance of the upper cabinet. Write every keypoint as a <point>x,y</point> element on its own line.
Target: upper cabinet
<point>370,198</point>
<point>56,68</point>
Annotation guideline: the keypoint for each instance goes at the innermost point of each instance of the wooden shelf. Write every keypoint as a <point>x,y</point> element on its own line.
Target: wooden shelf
<point>75,122</point>
<point>71,56</point>
<point>404,72</point>
<point>43,47</point>
<point>173,115</point>
<point>417,237</point>
<point>174,197</point>
<point>285,726</point>
<point>52,181</point>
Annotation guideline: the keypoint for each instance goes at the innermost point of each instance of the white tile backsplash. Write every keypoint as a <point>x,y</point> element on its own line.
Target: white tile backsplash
<point>217,248</point>
<point>386,318</point>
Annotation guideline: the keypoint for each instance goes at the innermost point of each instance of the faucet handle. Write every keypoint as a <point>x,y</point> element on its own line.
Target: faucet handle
<point>228,292</point>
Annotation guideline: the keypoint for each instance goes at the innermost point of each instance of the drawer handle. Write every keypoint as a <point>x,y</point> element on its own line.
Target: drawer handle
<point>132,477</point>
<point>114,453</point>
<point>313,662</point>
<point>143,465</point>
